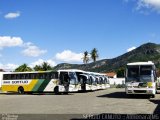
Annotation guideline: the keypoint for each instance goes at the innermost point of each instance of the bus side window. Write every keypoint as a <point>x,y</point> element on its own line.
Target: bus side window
<point>62,77</point>
<point>17,76</point>
<point>40,76</point>
<point>91,79</point>
<point>47,76</point>
<point>23,76</point>
<point>54,75</point>
<point>6,76</point>
<point>32,76</point>
<point>27,76</point>
<point>13,76</point>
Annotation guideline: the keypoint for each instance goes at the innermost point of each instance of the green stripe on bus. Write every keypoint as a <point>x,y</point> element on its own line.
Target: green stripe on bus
<point>43,85</point>
<point>38,84</point>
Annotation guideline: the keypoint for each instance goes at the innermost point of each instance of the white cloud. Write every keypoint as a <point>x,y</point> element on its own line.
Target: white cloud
<point>33,51</point>
<point>8,66</point>
<point>8,41</point>
<point>69,56</point>
<point>130,49</point>
<point>30,49</point>
<point>154,5</point>
<point>40,61</point>
<point>12,15</point>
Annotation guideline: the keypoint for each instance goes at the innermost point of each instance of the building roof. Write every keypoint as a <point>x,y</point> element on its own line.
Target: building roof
<point>111,74</point>
<point>141,63</point>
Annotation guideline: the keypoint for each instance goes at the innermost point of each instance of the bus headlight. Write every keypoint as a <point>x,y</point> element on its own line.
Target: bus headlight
<point>150,85</point>
<point>128,85</point>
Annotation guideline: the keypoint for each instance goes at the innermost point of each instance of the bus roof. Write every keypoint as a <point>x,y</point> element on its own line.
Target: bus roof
<point>141,63</point>
<point>28,72</point>
<point>71,70</point>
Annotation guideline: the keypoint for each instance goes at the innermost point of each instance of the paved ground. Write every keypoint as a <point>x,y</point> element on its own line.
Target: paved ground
<point>105,101</point>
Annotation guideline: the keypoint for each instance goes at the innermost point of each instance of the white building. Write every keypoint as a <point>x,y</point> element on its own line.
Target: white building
<point>116,81</point>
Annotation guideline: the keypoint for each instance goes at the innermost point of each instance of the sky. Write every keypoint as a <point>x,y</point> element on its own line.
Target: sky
<point>60,31</point>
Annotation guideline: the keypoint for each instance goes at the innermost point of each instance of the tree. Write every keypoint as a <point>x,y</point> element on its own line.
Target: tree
<point>85,57</point>
<point>23,68</point>
<point>120,72</point>
<point>158,72</point>
<point>44,67</point>
<point>94,54</point>
<point>37,68</point>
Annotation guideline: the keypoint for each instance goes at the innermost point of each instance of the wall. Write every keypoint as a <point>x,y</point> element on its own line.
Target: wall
<point>116,81</point>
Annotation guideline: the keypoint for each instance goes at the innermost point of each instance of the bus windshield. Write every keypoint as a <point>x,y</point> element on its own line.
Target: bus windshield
<point>139,73</point>
<point>73,78</point>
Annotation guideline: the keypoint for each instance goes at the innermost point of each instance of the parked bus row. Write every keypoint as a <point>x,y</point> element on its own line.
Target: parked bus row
<point>61,81</point>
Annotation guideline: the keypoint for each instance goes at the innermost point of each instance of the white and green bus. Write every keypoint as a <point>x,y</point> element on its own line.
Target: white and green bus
<point>141,78</point>
<point>21,82</point>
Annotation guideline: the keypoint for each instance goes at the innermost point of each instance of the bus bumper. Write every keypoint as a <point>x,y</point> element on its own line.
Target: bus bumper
<point>149,91</point>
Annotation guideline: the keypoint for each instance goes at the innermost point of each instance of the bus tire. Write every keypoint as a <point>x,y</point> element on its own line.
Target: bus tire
<point>56,90</point>
<point>152,96</point>
<point>21,90</point>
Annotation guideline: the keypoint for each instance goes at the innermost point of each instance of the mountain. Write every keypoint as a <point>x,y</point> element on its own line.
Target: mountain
<point>145,52</point>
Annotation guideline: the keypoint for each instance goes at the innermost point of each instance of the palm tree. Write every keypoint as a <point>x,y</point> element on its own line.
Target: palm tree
<point>85,57</point>
<point>94,54</point>
<point>22,68</point>
<point>37,68</point>
<point>46,66</point>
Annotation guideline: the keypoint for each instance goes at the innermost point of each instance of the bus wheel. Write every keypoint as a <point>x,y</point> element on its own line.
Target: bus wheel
<point>56,91</point>
<point>152,96</point>
<point>21,90</point>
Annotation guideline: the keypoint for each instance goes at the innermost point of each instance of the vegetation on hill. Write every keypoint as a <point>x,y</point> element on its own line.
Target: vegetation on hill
<point>145,52</point>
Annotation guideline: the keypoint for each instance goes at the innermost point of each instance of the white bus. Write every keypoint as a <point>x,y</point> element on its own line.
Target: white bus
<point>22,82</point>
<point>79,80</point>
<point>100,81</point>
<point>141,78</point>
<point>104,81</point>
<point>70,77</point>
<point>87,82</point>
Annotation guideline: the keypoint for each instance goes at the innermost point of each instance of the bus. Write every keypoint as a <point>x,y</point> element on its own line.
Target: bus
<point>87,81</point>
<point>101,80</point>
<point>79,80</point>
<point>104,81</point>
<point>141,78</point>
<point>72,83</point>
<point>22,82</point>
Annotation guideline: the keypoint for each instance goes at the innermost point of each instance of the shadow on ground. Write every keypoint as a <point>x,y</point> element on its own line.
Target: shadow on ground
<point>35,94</point>
<point>157,109</point>
<point>122,95</point>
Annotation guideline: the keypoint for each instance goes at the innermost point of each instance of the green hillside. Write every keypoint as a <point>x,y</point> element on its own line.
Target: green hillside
<point>145,52</point>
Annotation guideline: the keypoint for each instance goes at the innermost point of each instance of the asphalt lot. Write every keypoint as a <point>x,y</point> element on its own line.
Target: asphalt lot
<point>110,101</point>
